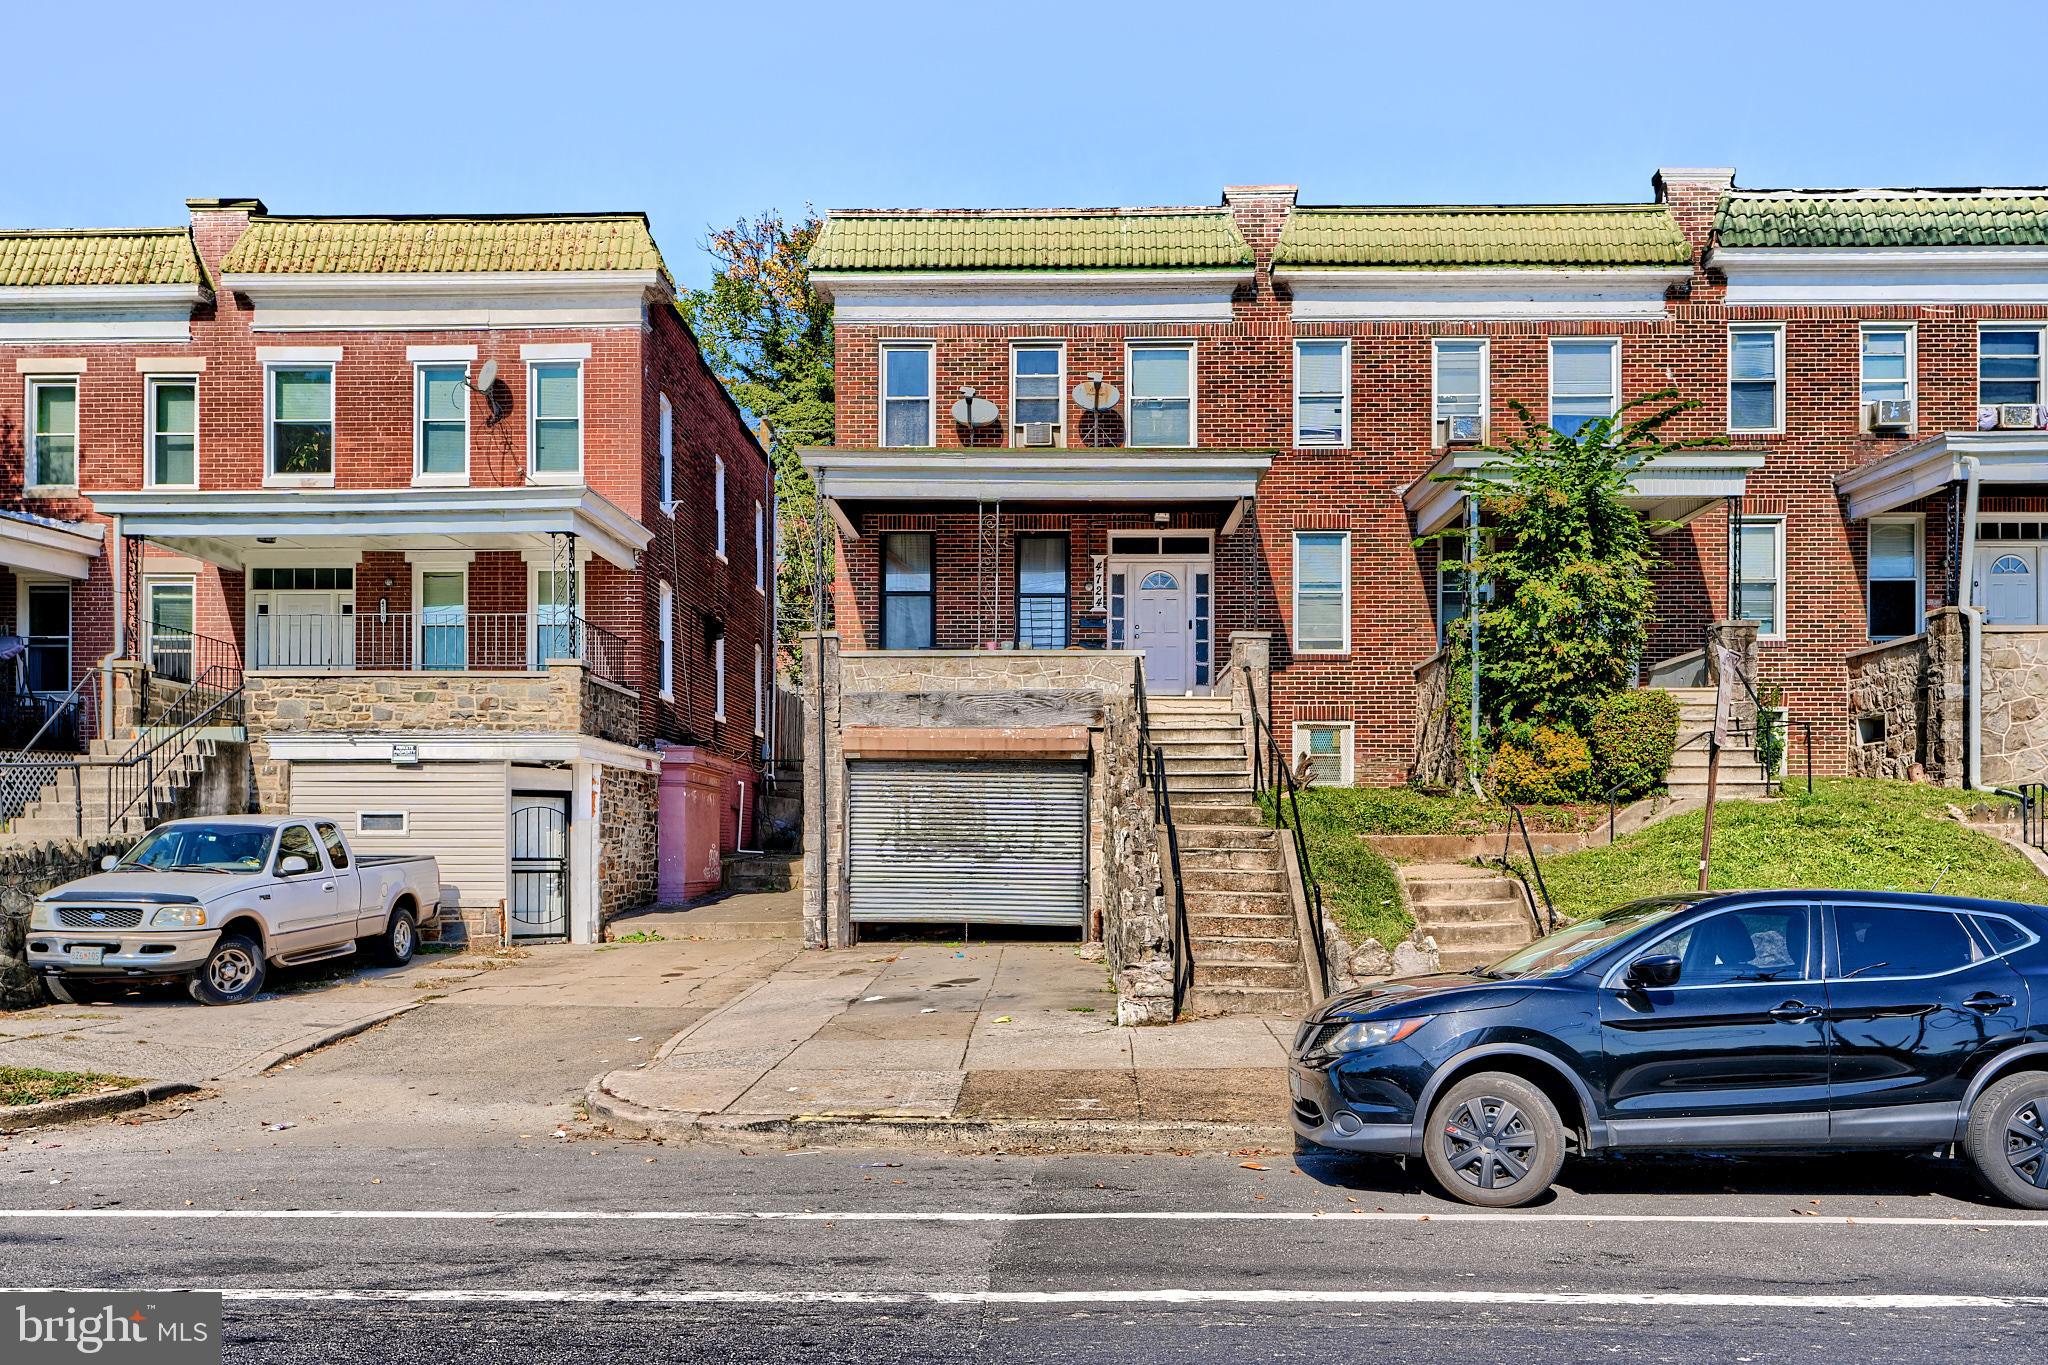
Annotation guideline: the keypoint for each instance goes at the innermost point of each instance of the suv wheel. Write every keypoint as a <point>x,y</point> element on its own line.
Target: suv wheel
<point>394,947</point>
<point>1494,1140</point>
<point>233,972</point>
<point>2007,1140</point>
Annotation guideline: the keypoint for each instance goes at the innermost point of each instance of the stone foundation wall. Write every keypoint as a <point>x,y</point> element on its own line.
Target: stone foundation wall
<point>627,833</point>
<point>609,711</point>
<point>1137,922</point>
<point>2015,708</point>
<point>1887,684</point>
<point>25,873</point>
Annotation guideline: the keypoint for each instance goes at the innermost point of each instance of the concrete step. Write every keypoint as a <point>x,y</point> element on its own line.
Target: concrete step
<point>1466,959</point>
<point>1219,838</point>
<point>1171,705</point>
<point>1238,903</point>
<point>1504,935</point>
<point>1283,951</point>
<point>1198,822</point>
<point>1491,909</point>
<point>761,872</point>
<point>1214,1000</point>
<point>1203,926</point>
<point>1237,784</point>
<point>1184,750</point>
<point>1231,879</point>
<point>1430,894</point>
<point>1260,858</point>
<point>1189,727</point>
<point>1271,976</point>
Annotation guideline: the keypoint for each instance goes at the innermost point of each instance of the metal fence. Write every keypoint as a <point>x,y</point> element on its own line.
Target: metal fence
<point>434,640</point>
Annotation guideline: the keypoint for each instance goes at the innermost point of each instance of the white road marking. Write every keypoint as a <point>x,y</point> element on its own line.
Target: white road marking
<point>1084,1297</point>
<point>1338,1214</point>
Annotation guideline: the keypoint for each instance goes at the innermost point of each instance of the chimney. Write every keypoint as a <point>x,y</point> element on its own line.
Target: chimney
<point>1694,193</point>
<point>1261,211</point>
<point>217,224</point>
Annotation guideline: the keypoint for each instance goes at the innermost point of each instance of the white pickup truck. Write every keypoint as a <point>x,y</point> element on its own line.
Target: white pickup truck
<point>217,901</point>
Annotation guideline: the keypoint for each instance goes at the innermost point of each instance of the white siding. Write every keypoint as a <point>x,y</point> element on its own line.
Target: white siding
<point>455,811</point>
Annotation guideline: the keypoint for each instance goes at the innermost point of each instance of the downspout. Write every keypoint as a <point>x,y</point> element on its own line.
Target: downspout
<point>1472,613</point>
<point>1973,676</point>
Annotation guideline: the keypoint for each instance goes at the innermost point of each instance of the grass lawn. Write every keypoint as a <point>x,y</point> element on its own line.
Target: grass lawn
<point>1858,835</point>
<point>27,1085</point>
<point>1403,810</point>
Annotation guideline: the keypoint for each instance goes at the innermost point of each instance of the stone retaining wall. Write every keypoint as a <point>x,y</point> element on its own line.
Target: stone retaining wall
<point>25,873</point>
<point>2015,708</point>
<point>1913,690</point>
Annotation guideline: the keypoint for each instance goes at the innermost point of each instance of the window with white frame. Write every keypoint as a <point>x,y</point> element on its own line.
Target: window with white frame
<point>760,548</point>
<point>301,399</point>
<point>1896,568</point>
<point>718,677</point>
<point>907,395</point>
<point>173,408</point>
<point>1760,587</point>
<point>2008,365</point>
<point>48,650</point>
<point>53,432</point>
<point>760,692</point>
<point>1322,392</point>
<point>1756,378</point>
<point>668,454</point>
<point>1458,380</point>
<point>1885,364</point>
<point>444,619</point>
<point>555,417</point>
<point>1452,584</point>
<point>1037,387</point>
<point>1162,395</point>
<point>441,402</point>
<point>718,505</point>
<point>665,632</point>
<point>1327,747</point>
<point>1585,381</point>
<point>1322,592</point>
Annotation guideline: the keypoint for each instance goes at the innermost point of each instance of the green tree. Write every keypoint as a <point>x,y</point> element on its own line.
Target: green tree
<point>768,336</point>
<point>1566,562</point>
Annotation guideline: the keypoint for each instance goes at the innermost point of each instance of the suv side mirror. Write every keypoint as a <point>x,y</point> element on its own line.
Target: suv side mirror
<point>1654,972</point>
<point>109,863</point>
<point>293,865</point>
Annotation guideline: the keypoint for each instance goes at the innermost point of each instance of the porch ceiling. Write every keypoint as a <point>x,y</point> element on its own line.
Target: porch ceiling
<point>1931,464</point>
<point>45,546</point>
<point>225,527</point>
<point>1676,488</point>
<point>1036,475</point>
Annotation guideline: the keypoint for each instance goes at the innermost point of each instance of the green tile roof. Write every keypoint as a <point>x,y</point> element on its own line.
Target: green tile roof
<point>121,256</point>
<point>1865,219</point>
<point>1456,236</point>
<point>372,246</point>
<point>1106,239</point>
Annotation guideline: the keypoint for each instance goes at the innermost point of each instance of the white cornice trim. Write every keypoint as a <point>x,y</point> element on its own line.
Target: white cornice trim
<point>913,298</point>
<point>38,545</point>
<point>448,283</point>
<point>1934,462</point>
<point>444,302</point>
<point>535,747</point>
<point>1762,276</point>
<point>100,297</point>
<point>1075,476</point>
<point>1618,293</point>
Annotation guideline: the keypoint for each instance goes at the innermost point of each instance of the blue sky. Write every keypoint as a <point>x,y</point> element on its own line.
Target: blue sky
<point>698,113</point>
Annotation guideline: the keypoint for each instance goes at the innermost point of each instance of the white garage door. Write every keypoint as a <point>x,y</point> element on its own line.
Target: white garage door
<point>981,843</point>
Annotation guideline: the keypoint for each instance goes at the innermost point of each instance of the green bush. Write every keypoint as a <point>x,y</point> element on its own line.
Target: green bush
<point>1546,764</point>
<point>1633,735</point>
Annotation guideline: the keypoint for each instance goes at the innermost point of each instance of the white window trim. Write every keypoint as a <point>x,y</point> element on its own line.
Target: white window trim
<point>760,693</point>
<point>882,400</point>
<point>537,562</point>
<point>1059,428</point>
<point>1194,389</point>
<point>1912,331</point>
<point>718,507</point>
<point>23,583</point>
<point>1778,607</point>
<point>1918,521</point>
<point>668,456</point>
<point>556,476</point>
<point>1343,441</point>
<point>1344,600</point>
<point>665,635</point>
<point>718,678</point>
<point>420,477</point>
<point>1436,413</point>
<point>404,821</point>
<point>760,548</point>
<point>423,563</point>
<point>272,363</point>
<point>1346,745</point>
<point>1777,426</point>
<point>150,383</point>
<point>34,486</point>
<point>1613,345</point>
<point>2017,325</point>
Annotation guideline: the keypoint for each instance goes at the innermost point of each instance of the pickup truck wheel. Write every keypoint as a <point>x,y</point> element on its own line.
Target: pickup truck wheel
<point>233,972</point>
<point>69,990</point>
<point>394,947</point>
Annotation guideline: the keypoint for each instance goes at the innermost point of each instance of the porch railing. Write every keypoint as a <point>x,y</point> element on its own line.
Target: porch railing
<point>434,640</point>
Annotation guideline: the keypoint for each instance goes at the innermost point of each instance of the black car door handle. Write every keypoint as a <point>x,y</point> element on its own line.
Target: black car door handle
<point>1984,1002</point>
<point>1792,1011</point>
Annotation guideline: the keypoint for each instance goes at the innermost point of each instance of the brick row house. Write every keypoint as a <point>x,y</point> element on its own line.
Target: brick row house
<point>1159,431</point>
<point>455,502</point>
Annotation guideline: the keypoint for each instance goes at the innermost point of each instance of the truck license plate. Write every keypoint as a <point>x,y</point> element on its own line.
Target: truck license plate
<point>89,957</point>
<point>1294,1084</point>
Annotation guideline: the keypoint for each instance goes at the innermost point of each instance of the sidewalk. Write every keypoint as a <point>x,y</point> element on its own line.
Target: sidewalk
<point>1008,1045</point>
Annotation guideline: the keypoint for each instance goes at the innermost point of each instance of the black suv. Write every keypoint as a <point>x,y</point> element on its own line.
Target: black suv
<point>1785,1019</point>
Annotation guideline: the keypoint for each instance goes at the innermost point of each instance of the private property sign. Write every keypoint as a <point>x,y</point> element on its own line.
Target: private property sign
<point>169,1328</point>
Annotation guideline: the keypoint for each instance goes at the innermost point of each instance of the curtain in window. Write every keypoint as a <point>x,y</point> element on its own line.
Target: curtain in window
<point>170,631</point>
<point>1760,577</point>
<point>907,616</point>
<point>1042,592</point>
<point>1319,392</point>
<point>1894,580</point>
<point>906,401</point>
<point>56,434</point>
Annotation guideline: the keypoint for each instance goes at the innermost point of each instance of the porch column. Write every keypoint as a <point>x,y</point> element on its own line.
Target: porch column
<point>1739,639</point>
<point>586,810</point>
<point>826,921</point>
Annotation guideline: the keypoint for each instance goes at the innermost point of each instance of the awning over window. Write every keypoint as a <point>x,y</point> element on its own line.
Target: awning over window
<point>1677,487</point>
<point>1930,465</point>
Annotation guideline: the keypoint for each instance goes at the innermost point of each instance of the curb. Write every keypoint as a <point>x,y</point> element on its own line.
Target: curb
<point>18,1116</point>
<point>850,1130</point>
<point>315,1042</point>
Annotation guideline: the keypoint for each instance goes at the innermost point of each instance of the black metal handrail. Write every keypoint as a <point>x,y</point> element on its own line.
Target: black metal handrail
<point>2033,799</point>
<point>1169,875</point>
<point>214,698</point>
<point>1545,917</point>
<point>1266,749</point>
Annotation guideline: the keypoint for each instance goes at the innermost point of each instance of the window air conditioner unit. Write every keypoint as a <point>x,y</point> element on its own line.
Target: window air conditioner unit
<point>1462,431</point>
<point>1038,433</point>
<point>1892,413</point>
<point>2019,416</point>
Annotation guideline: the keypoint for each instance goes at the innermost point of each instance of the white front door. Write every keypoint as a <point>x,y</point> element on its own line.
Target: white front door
<point>2008,584</point>
<point>303,629</point>
<point>1162,624</point>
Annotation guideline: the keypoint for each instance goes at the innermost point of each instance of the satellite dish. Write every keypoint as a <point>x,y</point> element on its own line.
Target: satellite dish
<point>971,411</point>
<point>487,376</point>
<point>1093,395</point>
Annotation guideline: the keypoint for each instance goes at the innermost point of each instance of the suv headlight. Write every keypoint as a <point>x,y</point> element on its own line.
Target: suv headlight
<point>178,917</point>
<point>1371,1033</point>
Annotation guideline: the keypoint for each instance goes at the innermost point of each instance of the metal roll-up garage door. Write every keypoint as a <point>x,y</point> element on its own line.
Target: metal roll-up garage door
<point>986,843</point>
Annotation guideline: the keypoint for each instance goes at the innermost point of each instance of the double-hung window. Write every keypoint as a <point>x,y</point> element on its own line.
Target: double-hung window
<point>1886,364</point>
<point>1458,380</point>
<point>1042,592</point>
<point>668,454</point>
<point>907,600</point>
<point>552,613</point>
<point>173,408</point>
<point>1322,389</point>
<point>1162,397</point>
<point>718,678</point>
<point>1756,378</point>
<point>665,633</point>
<point>760,548</point>
<point>1760,588</point>
<point>906,395</point>
<point>2008,365</point>
<point>555,422</point>
<point>302,420</point>
<point>53,432</point>
<point>1585,381</point>
<point>1036,388</point>
<point>760,693</point>
<point>718,505</point>
<point>441,400</point>
<point>1322,592</point>
<point>1894,591</point>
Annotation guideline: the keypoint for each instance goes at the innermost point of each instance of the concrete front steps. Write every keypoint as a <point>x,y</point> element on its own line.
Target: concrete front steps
<point>742,872</point>
<point>1476,915</point>
<point>61,813</point>
<point>1742,777</point>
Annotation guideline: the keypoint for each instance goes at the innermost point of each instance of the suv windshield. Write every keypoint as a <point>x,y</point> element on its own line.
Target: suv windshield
<point>1559,953</point>
<point>207,848</point>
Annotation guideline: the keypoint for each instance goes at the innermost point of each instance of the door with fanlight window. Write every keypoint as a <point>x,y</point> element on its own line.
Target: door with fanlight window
<point>2008,579</point>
